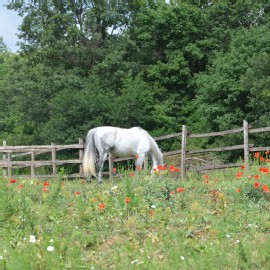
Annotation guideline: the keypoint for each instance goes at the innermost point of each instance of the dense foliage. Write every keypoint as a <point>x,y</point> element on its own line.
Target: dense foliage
<point>88,63</point>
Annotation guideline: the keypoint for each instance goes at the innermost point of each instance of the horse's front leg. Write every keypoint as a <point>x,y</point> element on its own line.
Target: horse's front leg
<point>101,161</point>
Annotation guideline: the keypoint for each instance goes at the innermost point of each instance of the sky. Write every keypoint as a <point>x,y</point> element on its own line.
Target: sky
<point>9,23</point>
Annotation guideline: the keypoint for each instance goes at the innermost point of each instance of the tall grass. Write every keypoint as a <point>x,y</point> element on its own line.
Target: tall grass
<point>218,220</point>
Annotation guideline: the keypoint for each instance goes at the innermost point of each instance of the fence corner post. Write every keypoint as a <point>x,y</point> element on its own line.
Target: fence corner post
<point>246,146</point>
<point>183,151</point>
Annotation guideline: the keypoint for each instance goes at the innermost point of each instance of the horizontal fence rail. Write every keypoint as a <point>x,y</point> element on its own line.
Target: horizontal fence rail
<point>11,153</point>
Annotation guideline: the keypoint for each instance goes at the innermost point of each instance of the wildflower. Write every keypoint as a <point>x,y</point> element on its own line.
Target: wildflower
<point>32,239</point>
<point>101,206</point>
<point>262,158</point>
<point>206,176</point>
<point>257,154</point>
<point>180,190</point>
<point>44,190</point>
<point>153,206</point>
<point>114,170</point>
<point>238,190</point>
<point>50,248</point>
<point>152,213</point>
<point>127,200</point>
<point>256,184</point>
<point>172,192</point>
<point>139,168</point>
<point>20,186</point>
<point>264,170</point>
<point>132,174</point>
<point>266,189</point>
<point>37,183</point>
<point>13,181</point>
<point>243,167</point>
<point>161,168</point>
<point>256,176</point>
<point>46,184</point>
<point>239,175</point>
<point>137,156</point>
<point>174,169</point>
<point>267,152</point>
<point>77,193</point>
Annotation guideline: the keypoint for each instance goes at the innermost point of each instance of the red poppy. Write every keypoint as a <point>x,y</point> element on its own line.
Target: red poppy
<point>256,176</point>
<point>20,186</point>
<point>172,192</point>
<point>101,206</point>
<point>180,190</point>
<point>77,192</point>
<point>132,174</point>
<point>174,169</point>
<point>265,170</point>
<point>127,200</point>
<point>239,175</point>
<point>256,184</point>
<point>45,189</point>
<point>262,158</point>
<point>137,156</point>
<point>114,170</point>
<point>243,167</point>
<point>46,184</point>
<point>37,183</point>
<point>239,190</point>
<point>139,168</point>
<point>13,181</point>
<point>152,213</point>
<point>265,188</point>
<point>257,154</point>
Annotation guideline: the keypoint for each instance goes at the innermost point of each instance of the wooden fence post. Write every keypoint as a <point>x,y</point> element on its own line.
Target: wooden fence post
<point>4,159</point>
<point>111,167</point>
<point>33,156</point>
<point>54,166</point>
<point>183,151</point>
<point>81,157</point>
<point>246,146</point>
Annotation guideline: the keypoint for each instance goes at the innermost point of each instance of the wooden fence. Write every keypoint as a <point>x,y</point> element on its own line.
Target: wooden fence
<point>8,163</point>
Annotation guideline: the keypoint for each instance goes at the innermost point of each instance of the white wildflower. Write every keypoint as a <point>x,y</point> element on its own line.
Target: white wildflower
<point>32,239</point>
<point>50,248</point>
<point>182,258</point>
<point>153,206</point>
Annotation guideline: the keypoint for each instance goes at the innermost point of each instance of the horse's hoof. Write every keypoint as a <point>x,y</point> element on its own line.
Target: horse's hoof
<point>100,182</point>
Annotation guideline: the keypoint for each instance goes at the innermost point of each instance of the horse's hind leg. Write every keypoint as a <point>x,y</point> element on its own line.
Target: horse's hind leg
<point>89,178</point>
<point>100,164</point>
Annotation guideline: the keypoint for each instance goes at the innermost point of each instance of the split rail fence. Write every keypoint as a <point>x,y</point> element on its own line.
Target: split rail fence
<point>13,152</point>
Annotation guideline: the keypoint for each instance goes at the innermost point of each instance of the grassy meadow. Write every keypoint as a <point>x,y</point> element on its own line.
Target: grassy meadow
<point>218,220</point>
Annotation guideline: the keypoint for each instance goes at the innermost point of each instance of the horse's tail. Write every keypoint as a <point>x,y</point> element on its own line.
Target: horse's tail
<point>89,158</point>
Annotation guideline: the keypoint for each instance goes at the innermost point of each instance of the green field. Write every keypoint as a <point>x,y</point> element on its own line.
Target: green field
<point>218,220</point>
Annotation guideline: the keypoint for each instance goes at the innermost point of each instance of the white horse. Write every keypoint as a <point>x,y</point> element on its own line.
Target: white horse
<point>119,142</point>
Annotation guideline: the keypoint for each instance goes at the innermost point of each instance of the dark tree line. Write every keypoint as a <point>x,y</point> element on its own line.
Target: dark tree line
<point>125,63</point>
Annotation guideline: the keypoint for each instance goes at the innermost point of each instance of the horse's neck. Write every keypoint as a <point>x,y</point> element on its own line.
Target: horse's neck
<point>156,155</point>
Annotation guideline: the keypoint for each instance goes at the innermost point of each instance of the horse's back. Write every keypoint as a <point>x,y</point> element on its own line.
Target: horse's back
<point>122,141</point>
